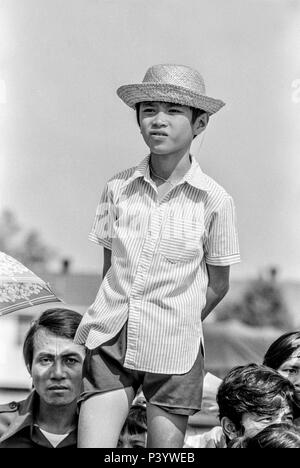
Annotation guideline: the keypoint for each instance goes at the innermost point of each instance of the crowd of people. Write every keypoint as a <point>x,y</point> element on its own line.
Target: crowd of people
<point>169,235</point>
<point>258,404</point>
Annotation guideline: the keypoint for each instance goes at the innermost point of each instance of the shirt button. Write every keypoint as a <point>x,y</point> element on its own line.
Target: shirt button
<point>13,405</point>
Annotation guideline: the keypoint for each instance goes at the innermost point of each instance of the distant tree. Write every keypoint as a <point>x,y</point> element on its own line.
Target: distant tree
<point>27,247</point>
<point>262,304</point>
<point>33,252</point>
<point>9,229</point>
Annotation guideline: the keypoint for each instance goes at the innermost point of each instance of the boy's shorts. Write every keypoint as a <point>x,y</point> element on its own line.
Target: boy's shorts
<point>103,371</point>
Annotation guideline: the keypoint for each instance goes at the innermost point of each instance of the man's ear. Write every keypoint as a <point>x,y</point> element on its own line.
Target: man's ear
<point>200,123</point>
<point>229,428</point>
<point>29,369</point>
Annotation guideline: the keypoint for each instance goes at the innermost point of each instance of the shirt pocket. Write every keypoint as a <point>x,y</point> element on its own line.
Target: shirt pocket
<point>181,239</point>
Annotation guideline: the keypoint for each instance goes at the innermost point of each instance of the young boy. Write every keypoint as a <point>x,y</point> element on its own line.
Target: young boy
<point>169,238</point>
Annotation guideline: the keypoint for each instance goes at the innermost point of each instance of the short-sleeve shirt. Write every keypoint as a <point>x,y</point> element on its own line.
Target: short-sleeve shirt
<point>18,428</point>
<point>158,276</point>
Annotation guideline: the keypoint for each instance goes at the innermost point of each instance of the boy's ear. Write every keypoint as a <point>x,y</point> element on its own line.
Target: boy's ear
<point>229,428</point>
<point>200,123</point>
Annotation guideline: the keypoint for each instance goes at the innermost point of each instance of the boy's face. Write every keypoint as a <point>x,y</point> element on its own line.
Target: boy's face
<point>167,128</point>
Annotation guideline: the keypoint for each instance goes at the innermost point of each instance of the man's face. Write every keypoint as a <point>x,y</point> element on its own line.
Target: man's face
<point>56,368</point>
<point>253,423</point>
<point>166,128</point>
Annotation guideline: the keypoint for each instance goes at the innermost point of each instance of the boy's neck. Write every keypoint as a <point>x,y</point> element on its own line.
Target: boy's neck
<point>172,167</point>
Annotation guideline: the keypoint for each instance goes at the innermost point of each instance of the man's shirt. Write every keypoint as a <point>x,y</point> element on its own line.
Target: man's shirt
<point>158,277</point>
<point>18,429</point>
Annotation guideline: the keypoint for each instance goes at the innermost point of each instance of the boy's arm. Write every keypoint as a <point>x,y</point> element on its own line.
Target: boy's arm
<point>218,286</point>
<point>106,262</point>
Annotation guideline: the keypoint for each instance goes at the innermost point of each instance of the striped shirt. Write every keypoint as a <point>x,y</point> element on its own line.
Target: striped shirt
<point>158,276</point>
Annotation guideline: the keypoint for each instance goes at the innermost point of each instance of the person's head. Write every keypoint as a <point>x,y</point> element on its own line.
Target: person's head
<point>198,117</point>
<point>284,356</point>
<point>171,105</point>
<point>167,127</point>
<point>252,397</point>
<point>134,431</point>
<point>282,435</point>
<point>53,360</point>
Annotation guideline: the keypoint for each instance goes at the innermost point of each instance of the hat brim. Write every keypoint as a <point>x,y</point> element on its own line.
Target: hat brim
<point>134,93</point>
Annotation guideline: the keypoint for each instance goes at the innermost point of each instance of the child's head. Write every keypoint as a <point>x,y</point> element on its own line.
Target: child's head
<point>167,92</point>
<point>134,431</point>
<point>252,397</point>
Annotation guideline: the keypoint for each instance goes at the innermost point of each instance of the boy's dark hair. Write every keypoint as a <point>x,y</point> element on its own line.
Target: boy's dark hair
<point>280,435</point>
<point>282,349</point>
<point>60,322</point>
<point>254,389</point>
<point>195,113</point>
<point>136,422</point>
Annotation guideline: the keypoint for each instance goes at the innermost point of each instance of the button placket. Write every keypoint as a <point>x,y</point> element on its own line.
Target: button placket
<point>149,248</point>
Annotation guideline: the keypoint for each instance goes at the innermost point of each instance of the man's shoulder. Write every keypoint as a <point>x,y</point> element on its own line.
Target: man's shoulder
<point>11,407</point>
<point>8,413</point>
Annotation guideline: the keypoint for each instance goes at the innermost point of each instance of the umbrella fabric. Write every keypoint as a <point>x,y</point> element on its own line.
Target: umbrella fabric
<point>20,287</point>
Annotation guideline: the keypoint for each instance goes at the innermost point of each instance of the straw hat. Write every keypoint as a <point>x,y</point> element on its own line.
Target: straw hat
<point>171,83</point>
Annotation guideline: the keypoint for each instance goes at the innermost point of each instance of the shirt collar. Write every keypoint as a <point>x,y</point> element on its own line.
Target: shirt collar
<point>40,439</point>
<point>25,419</point>
<point>194,176</point>
<point>141,171</point>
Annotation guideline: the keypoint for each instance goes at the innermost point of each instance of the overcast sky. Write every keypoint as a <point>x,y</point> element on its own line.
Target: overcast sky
<point>64,131</point>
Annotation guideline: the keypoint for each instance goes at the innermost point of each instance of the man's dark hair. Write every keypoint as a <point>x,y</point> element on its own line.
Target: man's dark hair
<point>60,322</point>
<point>254,389</point>
<point>195,113</point>
<point>282,349</point>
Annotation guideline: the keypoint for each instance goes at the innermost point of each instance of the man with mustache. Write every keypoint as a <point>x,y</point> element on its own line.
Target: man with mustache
<point>48,417</point>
